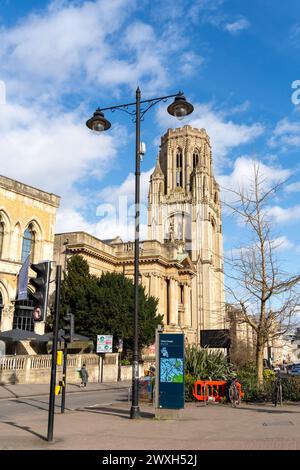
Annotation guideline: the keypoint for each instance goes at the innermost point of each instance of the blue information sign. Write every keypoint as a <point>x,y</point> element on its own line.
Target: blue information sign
<point>171,370</point>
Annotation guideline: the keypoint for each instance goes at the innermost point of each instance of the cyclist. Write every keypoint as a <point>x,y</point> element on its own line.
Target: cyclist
<point>233,393</point>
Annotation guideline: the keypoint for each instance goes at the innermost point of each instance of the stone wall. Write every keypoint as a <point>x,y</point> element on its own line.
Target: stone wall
<point>37,369</point>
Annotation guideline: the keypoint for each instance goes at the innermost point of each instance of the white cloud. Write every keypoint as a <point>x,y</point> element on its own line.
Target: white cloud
<point>189,61</point>
<point>286,134</point>
<point>69,220</point>
<point>242,174</point>
<point>282,215</point>
<point>117,209</point>
<point>76,47</point>
<point>73,46</point>
<point>211,12</point>
<point>224,133</point>
<point>293,187</point>
<point>58,43</point>
<point>54,153</point>
<point>278,244</point>
<point>112,194</point>
<point>237,26</point>
<point>282,243</point>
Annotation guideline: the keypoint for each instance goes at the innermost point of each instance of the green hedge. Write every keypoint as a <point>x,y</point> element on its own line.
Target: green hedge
<point>264,393</point>
<point>246,376</point>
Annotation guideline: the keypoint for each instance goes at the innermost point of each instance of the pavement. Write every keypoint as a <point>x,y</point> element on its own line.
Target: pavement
<point>32,390</point>
<point>211,427</point>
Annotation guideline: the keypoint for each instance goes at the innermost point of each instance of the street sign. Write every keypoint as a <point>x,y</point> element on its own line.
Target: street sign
<point>171,370</point>
<point>215,339</point>
<point>104,343</point>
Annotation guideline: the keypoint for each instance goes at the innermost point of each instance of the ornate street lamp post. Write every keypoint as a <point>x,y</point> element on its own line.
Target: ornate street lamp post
<point>179,108</point>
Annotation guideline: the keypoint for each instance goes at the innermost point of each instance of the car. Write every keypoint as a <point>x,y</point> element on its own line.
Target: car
<point>295,369</point>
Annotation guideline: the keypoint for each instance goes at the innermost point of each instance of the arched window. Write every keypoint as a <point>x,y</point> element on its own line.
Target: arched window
<point>28,244</point>
<point>23,319</point>
<point>195,159</point>
<point>1,236</point>
<point>179,168</point>
<point>1,306</point>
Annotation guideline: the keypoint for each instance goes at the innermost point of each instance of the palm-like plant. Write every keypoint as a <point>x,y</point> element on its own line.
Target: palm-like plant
<point>205,364</point>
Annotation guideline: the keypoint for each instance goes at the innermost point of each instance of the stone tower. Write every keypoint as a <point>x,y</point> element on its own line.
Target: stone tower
<point>184,211</point>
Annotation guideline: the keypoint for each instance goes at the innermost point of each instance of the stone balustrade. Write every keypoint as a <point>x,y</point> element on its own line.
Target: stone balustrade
<point>37,369</point>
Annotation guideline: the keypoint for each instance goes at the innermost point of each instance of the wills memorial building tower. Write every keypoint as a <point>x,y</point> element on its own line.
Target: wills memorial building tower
<point>184,211</point>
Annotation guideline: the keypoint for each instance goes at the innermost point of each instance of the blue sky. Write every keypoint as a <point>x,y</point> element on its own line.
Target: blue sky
<point>235,60</point>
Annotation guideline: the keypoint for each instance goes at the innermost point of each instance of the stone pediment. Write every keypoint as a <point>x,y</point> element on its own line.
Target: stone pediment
<point>186,262</point>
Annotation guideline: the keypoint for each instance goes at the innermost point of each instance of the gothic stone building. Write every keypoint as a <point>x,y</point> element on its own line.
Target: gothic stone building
<point>27,219</point>
<point>181,263</point>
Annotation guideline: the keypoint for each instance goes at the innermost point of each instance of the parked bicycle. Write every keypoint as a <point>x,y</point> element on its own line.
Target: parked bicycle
<point>234,395</point>
<point>278,390</point>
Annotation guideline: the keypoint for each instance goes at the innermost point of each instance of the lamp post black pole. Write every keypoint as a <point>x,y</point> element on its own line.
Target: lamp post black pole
<point>98,123</point>
<point>135,410</point>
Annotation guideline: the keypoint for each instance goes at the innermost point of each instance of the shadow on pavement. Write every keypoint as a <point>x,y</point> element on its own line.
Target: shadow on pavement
<point>9,390</point>
<point>116,412</point>
<point>39,407</point>
<point>270,411</point>
<point>25,428</point>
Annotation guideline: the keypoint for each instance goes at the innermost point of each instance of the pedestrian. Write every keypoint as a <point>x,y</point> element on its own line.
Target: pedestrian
<point>84,376</point>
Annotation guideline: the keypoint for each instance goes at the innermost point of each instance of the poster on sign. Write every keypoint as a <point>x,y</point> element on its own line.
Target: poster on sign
<point>104,343</point>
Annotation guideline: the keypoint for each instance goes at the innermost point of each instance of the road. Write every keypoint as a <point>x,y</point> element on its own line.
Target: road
<point>80,400</point>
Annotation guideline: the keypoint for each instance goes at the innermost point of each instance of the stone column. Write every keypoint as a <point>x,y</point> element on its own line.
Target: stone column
<point>187,306</point>
<point>160,294</point>
<point>173,302</point>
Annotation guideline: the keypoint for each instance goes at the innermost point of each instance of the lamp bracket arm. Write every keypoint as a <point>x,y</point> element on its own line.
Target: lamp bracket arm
<point>151,102</point>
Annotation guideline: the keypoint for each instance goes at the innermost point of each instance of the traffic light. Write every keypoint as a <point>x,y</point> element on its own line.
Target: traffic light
<point>41,285</point>
<point>68,327</point>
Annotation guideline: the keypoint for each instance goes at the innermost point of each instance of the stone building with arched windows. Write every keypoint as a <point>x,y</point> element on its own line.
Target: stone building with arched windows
<point>181,262</point>
<point>27,218</point>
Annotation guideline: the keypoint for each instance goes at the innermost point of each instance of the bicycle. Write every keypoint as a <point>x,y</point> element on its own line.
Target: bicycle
<point>278,391</point>
<point>234,395</point>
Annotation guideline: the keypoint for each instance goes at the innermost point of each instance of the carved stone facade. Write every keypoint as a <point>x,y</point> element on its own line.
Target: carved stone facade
<point>184,208</point>
<point>181,263</point>
<point>27,218</point>
<point>164,272</point>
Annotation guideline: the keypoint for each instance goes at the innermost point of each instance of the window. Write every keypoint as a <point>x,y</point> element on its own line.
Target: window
<point>23,318</point>
<point>28,244</point>
<point>195,159</point>
<point>1,237</point>
<point>179,169</point>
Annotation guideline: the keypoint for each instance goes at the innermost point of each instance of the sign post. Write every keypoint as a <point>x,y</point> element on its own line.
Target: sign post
<point>120,350</point>
<point>104,345</point>
<point>169,375</point>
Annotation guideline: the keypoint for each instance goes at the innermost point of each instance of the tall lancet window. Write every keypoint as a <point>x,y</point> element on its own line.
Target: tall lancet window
<point>195,159</point>
<point>179,168</point>
<point>28,244</point>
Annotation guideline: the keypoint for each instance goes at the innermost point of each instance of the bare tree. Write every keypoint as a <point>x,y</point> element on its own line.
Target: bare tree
<point>265,294</point>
